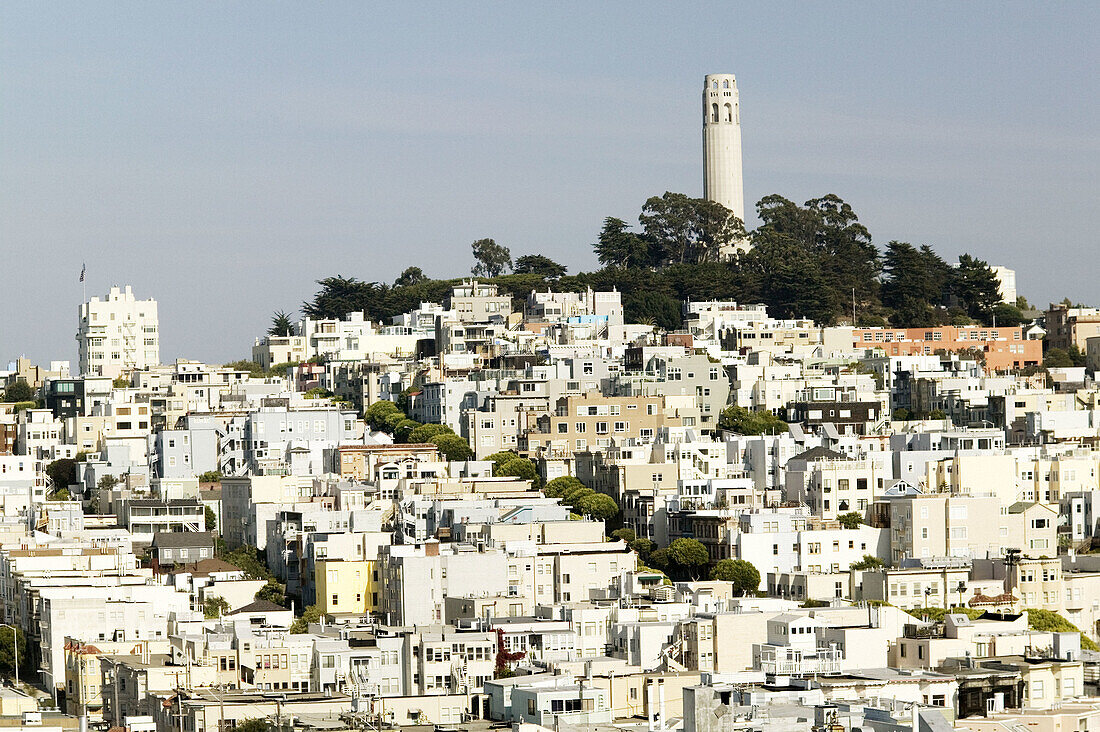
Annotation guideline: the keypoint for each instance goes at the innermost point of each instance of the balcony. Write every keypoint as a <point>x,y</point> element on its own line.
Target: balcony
<point>919,632</point>
<point>788,661</point>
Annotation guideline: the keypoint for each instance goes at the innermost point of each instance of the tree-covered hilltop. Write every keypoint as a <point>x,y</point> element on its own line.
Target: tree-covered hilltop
<point>813,260</point>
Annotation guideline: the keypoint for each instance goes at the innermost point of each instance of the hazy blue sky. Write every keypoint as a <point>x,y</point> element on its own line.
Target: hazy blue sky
<point>220,157</point>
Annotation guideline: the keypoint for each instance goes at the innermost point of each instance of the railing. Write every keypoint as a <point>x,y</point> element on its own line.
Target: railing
<point>789,661</point>
<point>917,632</point>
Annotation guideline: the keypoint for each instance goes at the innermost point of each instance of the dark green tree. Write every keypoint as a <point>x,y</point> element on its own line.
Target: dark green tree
<point>869,561</point>
<point>540,265</point>
<point>624,534</point>
<point>492,259</point>
<point>254,369</point>
<point>558,487</point>
<point>500,457</point>
<point>806,260</point>
<point>12,645</point>
<point>339,296</point>
<point>249,560</point>
<point>1007,315</point>
<point>976,287</point>
<point>653,308</point>
<point>519,467</point>
<point>572,495</point>
<point>1057,358</point>
<point>62,472</point>
<point>744,576</point>
<point>425,432</point>
<point>688,557</point>
<point>211,519</point>
<point>848,259</point>
<point>744,421</point>
<point>659,559</point>
<point>311,614</point>
<point>391,421</point>
<point>214,607</point>
<point>273,591</point>
<point>404,428</point>
<point>411,276</point>
<point>851,520</point>
<point>643,547</point>
<point>281,325</point>
<point>453,447</point>
<point>617,246</point>
<point>19,391</point>
<point>685,229</point>
<point>377,414</point>
<point>914,284</point>
<point>598,506</point>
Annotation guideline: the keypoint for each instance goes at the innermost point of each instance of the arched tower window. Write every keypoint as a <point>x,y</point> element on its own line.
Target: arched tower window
<point>715,86</point>
<point>729,112</point>
<point>726,84</point>
<point>714,113</point>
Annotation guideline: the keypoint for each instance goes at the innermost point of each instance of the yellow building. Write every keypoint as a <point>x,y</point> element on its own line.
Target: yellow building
<point>347,586</point>
<point>83,675</point>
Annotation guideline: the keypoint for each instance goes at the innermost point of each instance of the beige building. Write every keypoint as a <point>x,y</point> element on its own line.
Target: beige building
<point>929,646</point>
<point>593,420</point>
<point>362,462</point>
<point>272,350</point>
<point>974,526</point>
<point>832,484</point>
<point>980,474</point>
<point>1079,715</point>
<point>722,642</point>
<point>571,572</point>
<point>1071,326</point>
<point>83,676</point>
<point>917,587</point>
<point>476,302</point>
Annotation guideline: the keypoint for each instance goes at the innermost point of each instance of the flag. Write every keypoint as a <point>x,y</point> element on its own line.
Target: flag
<point>83,267</point>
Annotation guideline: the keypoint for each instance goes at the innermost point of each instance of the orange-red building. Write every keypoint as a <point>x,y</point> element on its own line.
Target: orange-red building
<point>1004,348</point>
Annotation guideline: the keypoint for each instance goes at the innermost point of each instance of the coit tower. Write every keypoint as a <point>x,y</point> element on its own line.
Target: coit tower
<point>722,143</point>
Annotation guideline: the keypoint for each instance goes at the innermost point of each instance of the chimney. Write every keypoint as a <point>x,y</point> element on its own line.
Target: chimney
<point>431,548</point>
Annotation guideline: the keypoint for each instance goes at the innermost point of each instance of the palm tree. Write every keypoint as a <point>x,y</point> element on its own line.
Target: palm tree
<point>281,325</point>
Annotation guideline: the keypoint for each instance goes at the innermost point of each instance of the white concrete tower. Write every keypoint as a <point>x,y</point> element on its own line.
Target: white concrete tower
<point>722,143</point>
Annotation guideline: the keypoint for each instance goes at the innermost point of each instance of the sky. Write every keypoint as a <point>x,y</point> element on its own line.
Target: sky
<point>222,157</point>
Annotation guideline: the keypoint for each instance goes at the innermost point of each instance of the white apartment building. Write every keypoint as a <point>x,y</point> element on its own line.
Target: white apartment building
<point>787,540</point>
<point>117,333</point>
